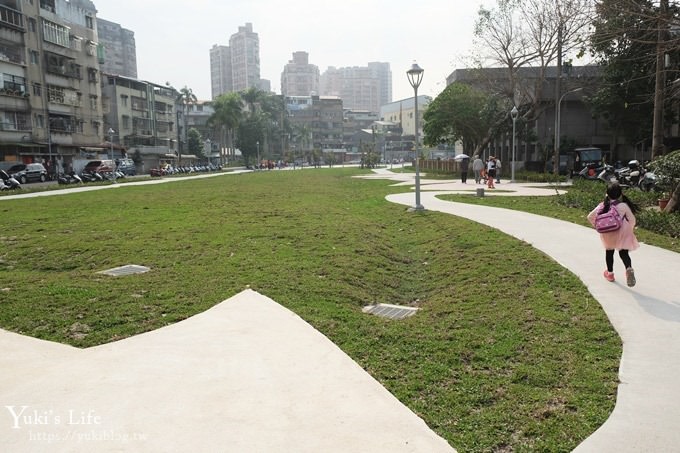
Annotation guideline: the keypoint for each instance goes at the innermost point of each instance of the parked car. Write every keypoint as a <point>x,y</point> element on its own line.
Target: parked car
<point>127,167</point>
<point>99,166</point>
<point>28,172</point>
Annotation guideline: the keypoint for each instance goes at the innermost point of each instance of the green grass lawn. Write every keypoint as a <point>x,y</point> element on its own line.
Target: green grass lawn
<point>507,354</point>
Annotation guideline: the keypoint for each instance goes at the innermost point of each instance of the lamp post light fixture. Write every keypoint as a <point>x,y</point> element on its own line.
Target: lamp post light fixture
<point>558,118</point>
<point>513,114</point>
<point>415,76</point>
<point>113,170</point>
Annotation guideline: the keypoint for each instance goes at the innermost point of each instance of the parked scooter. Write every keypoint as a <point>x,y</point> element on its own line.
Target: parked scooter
<point>8,182</point>
<point>636,175</point>
<point>69,179</point>
<point>647,181</point>
<point>607,174</point>
<point>591,171</point>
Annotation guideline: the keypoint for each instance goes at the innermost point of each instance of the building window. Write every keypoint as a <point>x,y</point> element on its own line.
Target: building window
<point>125,122</point>
<point>32,25</point>
<point>55,94</point>
<point>37,89</point>
<point>14,83</point>
<point>89,22</point>
<point>15,121</point>
<point>39,121</point>
<point>93,102</point>
<point>55,33</point>
<point>35,56</point>
<point>124,100</point>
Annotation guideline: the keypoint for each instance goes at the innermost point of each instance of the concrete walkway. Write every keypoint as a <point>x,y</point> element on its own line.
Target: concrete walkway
<point>245,376</point>
<point>647,317</point>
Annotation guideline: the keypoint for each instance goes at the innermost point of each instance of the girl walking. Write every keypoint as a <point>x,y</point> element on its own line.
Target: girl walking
<point>623,239</point>
<point>491,172</point>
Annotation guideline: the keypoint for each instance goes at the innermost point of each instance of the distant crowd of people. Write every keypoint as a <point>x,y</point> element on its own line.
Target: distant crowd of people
<point>488,171</point>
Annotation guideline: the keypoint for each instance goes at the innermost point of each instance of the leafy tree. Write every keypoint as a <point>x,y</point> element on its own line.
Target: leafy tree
<point>463,113</point>
<point>626,39</point>
<point>267,111</point>
<point>250,132</point>
<point>195,142</point>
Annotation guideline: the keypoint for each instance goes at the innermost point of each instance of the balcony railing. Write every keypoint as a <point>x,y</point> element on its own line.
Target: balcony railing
<point>11,17</point>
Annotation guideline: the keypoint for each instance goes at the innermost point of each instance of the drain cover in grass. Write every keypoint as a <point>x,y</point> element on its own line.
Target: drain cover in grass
<point>126,270</point>
<point>390,311</point>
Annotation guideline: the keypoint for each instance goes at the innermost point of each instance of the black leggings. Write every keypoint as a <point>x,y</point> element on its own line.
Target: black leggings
<point>625,257</point>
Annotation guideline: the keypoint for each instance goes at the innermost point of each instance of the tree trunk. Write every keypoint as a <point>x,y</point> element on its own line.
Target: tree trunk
<point>674,201</point>
<point>657,133</point>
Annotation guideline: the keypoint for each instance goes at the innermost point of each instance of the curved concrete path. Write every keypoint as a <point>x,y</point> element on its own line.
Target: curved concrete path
<point>646,417</point>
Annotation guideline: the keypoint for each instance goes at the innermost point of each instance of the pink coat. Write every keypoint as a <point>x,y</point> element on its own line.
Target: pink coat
<point>623,238</point>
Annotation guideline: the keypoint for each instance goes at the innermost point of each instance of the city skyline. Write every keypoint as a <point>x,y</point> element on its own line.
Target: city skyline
<point>354,33</point>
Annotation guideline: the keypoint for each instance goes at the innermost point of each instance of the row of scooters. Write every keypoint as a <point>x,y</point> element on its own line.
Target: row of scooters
<point>170,170</point>
<point>73,178</point>
<point>633,175</point>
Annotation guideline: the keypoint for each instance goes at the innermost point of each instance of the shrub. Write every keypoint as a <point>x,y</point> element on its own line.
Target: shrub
<point>667,171</point>
<point>586,195</point>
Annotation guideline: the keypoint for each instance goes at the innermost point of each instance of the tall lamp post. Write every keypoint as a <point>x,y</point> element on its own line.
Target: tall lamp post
<point>257,143</point>
<point>113,170</point>
<point>558,118</point>
<point>415,76</point>
<point>513,114</point>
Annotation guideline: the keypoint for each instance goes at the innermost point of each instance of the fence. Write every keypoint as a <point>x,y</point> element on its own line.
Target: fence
<point>440,166</point>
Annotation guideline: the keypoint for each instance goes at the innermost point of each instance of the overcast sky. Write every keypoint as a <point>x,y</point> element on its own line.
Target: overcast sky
<point>174,37</point>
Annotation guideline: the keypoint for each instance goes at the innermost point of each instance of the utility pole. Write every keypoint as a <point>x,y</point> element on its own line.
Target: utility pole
<point>558,90</point>
<point>657,131</point>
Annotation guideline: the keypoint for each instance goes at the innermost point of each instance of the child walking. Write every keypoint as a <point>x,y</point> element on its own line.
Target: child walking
<point>623,239</point>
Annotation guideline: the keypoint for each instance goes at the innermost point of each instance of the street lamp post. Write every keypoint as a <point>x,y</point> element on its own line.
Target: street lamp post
<point>415,76</point>
<point>513,114</point>
<point>558,118</point>
<point>113,170</point>
<point>258,154</point>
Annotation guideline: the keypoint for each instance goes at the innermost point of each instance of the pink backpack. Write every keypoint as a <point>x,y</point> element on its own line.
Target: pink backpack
<point>611,220</point>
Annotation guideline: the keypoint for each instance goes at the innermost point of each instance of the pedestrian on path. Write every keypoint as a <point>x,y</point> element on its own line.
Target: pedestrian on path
<point>477,167</point>
<point>490,172</point>
<point>498,170</point>
<point>464,165</point>
<point>623,239</point>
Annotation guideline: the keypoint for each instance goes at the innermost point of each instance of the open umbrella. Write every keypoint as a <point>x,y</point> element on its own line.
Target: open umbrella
<point>461,157</point>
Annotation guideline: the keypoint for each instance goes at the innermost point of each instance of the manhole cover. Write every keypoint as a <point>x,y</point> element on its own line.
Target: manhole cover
<point>126,270</point>
<point>390,311</point>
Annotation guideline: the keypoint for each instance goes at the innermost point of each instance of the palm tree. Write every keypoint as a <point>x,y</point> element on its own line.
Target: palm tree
<point>185,97</point>
<point>228,113</point>
<point>253,99</point>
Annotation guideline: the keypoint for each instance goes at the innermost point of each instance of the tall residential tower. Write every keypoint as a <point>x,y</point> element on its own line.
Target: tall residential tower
<point>236,67</point>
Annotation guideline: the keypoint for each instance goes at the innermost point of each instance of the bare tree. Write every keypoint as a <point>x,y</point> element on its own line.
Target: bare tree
<point>535,34</point>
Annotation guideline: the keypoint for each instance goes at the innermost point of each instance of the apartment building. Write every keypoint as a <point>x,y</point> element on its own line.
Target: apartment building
<point>120,49</point>
<point>237,67</point>
<point>321,117</point>
<point>359,87</point>
<point>144,118</point>
<point>402,113</point>
<point>299,77</point>
<point>50,97</point>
